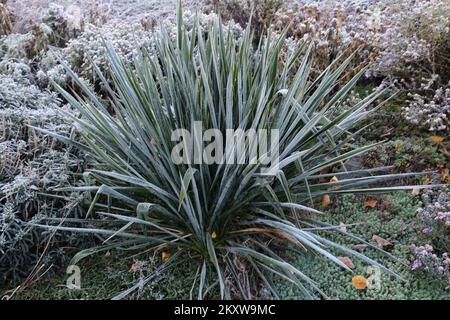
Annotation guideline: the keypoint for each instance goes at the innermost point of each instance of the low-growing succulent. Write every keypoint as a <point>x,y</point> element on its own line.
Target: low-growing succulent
<point>393,218</point>
<point>409,154</point>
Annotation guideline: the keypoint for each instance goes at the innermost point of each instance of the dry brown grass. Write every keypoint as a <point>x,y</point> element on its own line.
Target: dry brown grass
<point>5,20</point>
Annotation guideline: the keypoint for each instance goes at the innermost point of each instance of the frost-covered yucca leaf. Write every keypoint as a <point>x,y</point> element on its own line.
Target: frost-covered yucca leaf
<point>225,218</point>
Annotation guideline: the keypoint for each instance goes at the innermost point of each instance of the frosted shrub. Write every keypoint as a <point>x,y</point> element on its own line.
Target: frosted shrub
<point>49,69</point>
<point>333,27</point>
<point>262,11</point>
<point>14,237</point>
<point>54,26</point>
<point>415,40</point>
<point>15,68</point>
<point>434,215</point>
<point>60,24</point>
<point>88,49</point>
<point>430,108</point>
<point>413,51</point>
<point>406,41</point>
<point>18,93</point>
<point>16,46</point>
<point>55,73</point>
<point>426,260</point>
<point>125,37</point>
<point>31,166</point>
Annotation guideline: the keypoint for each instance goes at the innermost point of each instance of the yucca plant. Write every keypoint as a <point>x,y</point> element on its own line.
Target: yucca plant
<point>231,220</point>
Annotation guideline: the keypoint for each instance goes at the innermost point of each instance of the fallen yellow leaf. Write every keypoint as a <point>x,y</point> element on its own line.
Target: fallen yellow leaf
<point>165,256</point>
<point>437,139</point>
<point>370,203</point>
<point>213,235</point>
<point>326,201</point>
<point>359,282</point>
<point>446,175</point>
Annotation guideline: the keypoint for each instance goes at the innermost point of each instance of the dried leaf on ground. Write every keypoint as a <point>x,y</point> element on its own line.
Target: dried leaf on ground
<point>326,201</point>
<point>381,242</point>
<point>360,247</point>
<point>165,256</point>
<point>347,261</point>
<point>437,139</point>
<point>359,282</point>
<point>370,203</point>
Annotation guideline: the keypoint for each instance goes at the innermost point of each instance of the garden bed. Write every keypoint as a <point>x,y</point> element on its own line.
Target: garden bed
<point>394,245</point>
